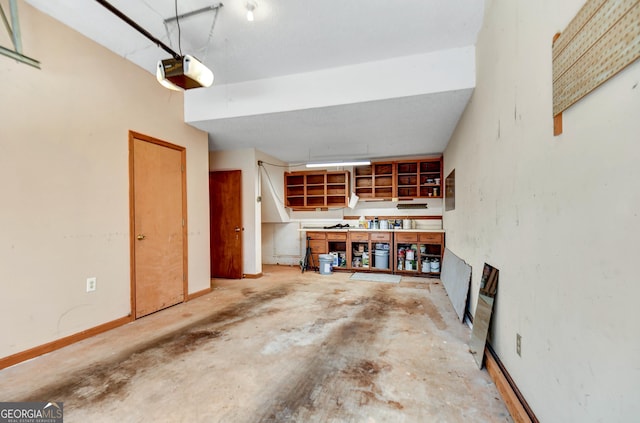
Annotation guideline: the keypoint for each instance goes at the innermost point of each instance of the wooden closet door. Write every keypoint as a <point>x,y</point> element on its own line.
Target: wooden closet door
<point>159,238</point>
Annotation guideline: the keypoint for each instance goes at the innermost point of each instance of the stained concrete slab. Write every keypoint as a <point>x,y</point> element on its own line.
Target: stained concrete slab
<point>288,347</point>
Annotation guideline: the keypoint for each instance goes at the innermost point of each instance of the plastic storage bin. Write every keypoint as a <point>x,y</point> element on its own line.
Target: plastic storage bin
<point>326,260</point>
<point>381,259</point>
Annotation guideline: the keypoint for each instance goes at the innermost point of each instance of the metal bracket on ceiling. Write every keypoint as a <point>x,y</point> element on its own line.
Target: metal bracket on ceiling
<point>213,8</point>
<point>194,12</point>
<point>16,37</point>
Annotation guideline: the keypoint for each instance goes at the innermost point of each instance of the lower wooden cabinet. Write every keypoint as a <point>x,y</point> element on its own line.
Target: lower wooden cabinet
<point>419,253</point>
<point>370,251</point>
<point>410,253</point>
<point>337,245</point>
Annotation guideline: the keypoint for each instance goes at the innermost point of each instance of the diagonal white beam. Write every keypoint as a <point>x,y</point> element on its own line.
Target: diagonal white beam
<point>441,71</point>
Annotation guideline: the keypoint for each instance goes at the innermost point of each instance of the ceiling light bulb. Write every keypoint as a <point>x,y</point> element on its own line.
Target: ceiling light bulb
<point>250,8</point>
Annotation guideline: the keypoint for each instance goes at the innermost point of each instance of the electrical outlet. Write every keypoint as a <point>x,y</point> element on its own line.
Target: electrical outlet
<point>92,284</point>
<point>518,344</point>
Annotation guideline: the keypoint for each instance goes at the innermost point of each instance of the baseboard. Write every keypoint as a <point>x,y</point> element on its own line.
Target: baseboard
<point>511,395</point>
<point>252,276</point>
<point>198,294</point>
<point>62,342</point>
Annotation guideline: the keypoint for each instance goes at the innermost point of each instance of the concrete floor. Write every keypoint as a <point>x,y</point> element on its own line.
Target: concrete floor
<point>288,347</point>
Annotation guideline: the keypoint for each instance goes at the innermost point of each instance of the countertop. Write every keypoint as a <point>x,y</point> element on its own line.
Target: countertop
<point>310,229</point>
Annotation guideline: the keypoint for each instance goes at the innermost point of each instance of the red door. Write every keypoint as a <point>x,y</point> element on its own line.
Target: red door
<point>225,204</point>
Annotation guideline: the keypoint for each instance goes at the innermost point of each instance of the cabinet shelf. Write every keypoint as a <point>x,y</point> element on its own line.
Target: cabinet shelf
<point>405,179</point>
<point>375,181</point>
<point>317,189</point>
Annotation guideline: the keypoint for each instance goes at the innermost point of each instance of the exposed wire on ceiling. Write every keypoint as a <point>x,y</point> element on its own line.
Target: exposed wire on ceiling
<point>273,189</point>
<point>214,7</point>
<point>260,162</point>
<point>213,25</point>
<point>179,32</point>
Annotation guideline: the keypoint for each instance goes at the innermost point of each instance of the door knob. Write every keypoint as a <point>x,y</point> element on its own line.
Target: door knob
<point>140,237</point>
<point>237,229</point>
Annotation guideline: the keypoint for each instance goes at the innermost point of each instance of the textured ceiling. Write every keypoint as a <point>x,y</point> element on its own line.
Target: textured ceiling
<point>418,125</point>
<point>291,37</point>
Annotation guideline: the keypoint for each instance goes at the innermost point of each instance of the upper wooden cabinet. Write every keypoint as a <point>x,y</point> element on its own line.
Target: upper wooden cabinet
<point>375,181</point>
<point>316,189</point>
<point>430,178</point>
<point>406,179</point>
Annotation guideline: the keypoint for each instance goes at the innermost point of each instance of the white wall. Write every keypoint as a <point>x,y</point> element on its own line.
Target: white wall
<point>271,179</point>
<point>64,163</point>
<point>558,216</point>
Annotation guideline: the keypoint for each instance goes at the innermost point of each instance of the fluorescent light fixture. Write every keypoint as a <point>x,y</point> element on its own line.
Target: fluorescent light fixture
<point>358,163</point>
<point>183,73</point>
<point>250,8</point>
